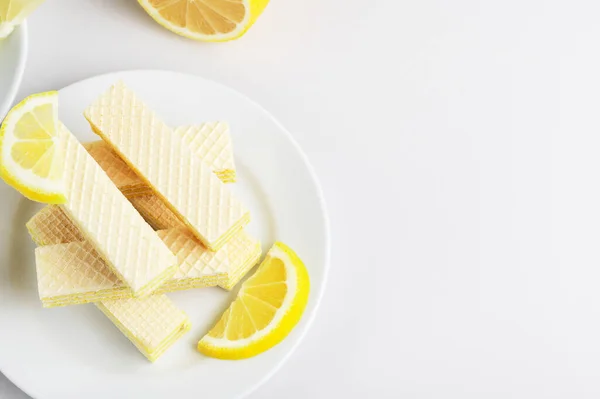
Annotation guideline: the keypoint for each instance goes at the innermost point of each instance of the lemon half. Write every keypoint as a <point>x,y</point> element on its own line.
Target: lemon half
<point>31,150</point>
<point>207,20</point>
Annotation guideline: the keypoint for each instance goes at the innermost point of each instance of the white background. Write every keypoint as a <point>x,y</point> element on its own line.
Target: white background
<point>458,147</point>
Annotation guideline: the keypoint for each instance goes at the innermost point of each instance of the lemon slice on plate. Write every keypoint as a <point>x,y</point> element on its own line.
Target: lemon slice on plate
<point>13,13</point>
<point>30,150</point>
<point>207,20</point>
<point>267,307</point>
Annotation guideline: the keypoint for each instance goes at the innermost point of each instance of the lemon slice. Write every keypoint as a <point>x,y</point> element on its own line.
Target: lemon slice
<point>13,13</point>
<point>268,306</point>
<point>207,20</point>
<point>30,150</point>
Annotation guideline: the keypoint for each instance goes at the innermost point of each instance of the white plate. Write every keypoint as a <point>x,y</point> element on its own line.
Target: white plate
<point>76,352</point>
<point>13,55</point>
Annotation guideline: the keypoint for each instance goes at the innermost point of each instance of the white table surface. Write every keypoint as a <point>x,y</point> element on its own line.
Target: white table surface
<point>458,146</point>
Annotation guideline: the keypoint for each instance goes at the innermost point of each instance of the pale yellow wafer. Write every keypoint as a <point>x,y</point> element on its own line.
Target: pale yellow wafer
<point>152,324</point>
<point>161,158</point>
<point>74,273</point>
<point>209,141</point>
<point>130,247</point>
<point>51,226</point>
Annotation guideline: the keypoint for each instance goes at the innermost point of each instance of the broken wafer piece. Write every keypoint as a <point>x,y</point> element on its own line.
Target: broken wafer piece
<point>164,161</point>
<point>152,324</point>
<point>130,247</point>
<point>210,141</point>
<point>74,273</point>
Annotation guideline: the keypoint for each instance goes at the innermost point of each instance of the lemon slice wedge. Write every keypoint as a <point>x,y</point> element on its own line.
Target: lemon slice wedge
<point>267,307</point>
<point>13,13</point>
<point>31,151</point>
<point>207,20</point>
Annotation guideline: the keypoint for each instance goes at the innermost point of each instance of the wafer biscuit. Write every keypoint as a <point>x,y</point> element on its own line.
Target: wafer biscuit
<point>152,324</point>
<point>74,273</point>
<point>130,247</point>
<point>161,158</point>
<point>209,141</point>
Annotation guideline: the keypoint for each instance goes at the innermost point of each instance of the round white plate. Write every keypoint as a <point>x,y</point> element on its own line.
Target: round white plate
<point>76,352</point>
<point>13,55</point>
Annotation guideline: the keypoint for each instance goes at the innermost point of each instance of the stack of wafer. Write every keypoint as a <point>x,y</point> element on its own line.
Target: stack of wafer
<point>147,213</point>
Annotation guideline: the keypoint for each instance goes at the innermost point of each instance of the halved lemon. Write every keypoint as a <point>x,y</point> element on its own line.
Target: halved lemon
<point>30,151</point>
<point>14,12</point>
<point>207,20</point>
<point>267,307</point>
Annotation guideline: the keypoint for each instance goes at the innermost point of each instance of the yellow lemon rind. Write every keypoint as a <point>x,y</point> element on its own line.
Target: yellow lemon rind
<point>278,333</point>
<point>32,193</point>
<point>256,9</point>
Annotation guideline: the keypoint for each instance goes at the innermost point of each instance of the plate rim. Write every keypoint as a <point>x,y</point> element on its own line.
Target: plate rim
<point>22,61</point>
<point>319,190</point>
